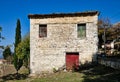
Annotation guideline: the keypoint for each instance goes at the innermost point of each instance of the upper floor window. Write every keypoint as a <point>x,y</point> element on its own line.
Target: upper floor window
<point>42,30</point>
<point>81,30</point>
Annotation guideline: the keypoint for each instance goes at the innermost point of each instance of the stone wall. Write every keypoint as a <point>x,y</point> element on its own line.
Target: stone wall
<point>1,70</point>
<point>50,52</point>
<point>113,63</point>
<point>6,69</point>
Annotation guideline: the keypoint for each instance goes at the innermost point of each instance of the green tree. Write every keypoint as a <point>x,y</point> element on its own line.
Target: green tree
<point>18,34</point>
<point>17,62</point>
<point>103,30</point>
<point>6,52</point>
<point>23,50</point>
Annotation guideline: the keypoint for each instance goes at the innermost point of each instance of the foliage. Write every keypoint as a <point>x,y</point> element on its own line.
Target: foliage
<point>23,50</point>
<point>112,34</point>
<point>100,36</point>
<point>55,70</point>
<point>103,25</point>
<point>17,62</point>
<point>112,31</point>
<point>7,52</point>
<point>18,33</point>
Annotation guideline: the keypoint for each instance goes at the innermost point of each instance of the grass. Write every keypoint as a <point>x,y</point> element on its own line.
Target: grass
<point>101,74</point>
<point>61,77</point>
<point>92,74</point>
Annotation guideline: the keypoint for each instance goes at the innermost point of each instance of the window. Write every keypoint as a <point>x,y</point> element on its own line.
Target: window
<point>81,30</point>
<point>42,30</point>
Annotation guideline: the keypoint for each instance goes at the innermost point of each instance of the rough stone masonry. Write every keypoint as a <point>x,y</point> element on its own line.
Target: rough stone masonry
<point>49,52</point>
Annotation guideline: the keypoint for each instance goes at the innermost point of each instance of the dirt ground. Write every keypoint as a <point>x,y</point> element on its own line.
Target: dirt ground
<point>97,73</point>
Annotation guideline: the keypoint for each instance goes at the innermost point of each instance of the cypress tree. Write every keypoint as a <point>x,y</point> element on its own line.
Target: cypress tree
<point>17,62</point>
<point>18,34</point>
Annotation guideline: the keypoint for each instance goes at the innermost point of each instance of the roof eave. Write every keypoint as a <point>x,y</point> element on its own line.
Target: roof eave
<point>54,15</point>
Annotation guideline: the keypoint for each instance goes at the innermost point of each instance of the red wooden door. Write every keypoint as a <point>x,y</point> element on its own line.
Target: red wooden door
<point>72,61</point>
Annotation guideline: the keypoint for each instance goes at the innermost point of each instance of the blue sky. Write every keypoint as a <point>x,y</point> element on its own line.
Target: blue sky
<point>11,10</point>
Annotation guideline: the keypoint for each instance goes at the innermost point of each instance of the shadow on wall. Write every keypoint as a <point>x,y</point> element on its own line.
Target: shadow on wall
<point>75,68</point>
<point>86,65</point>
<point>89,64</point>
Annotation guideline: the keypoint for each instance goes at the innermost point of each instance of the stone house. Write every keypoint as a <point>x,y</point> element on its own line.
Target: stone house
<point>62,39</point>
